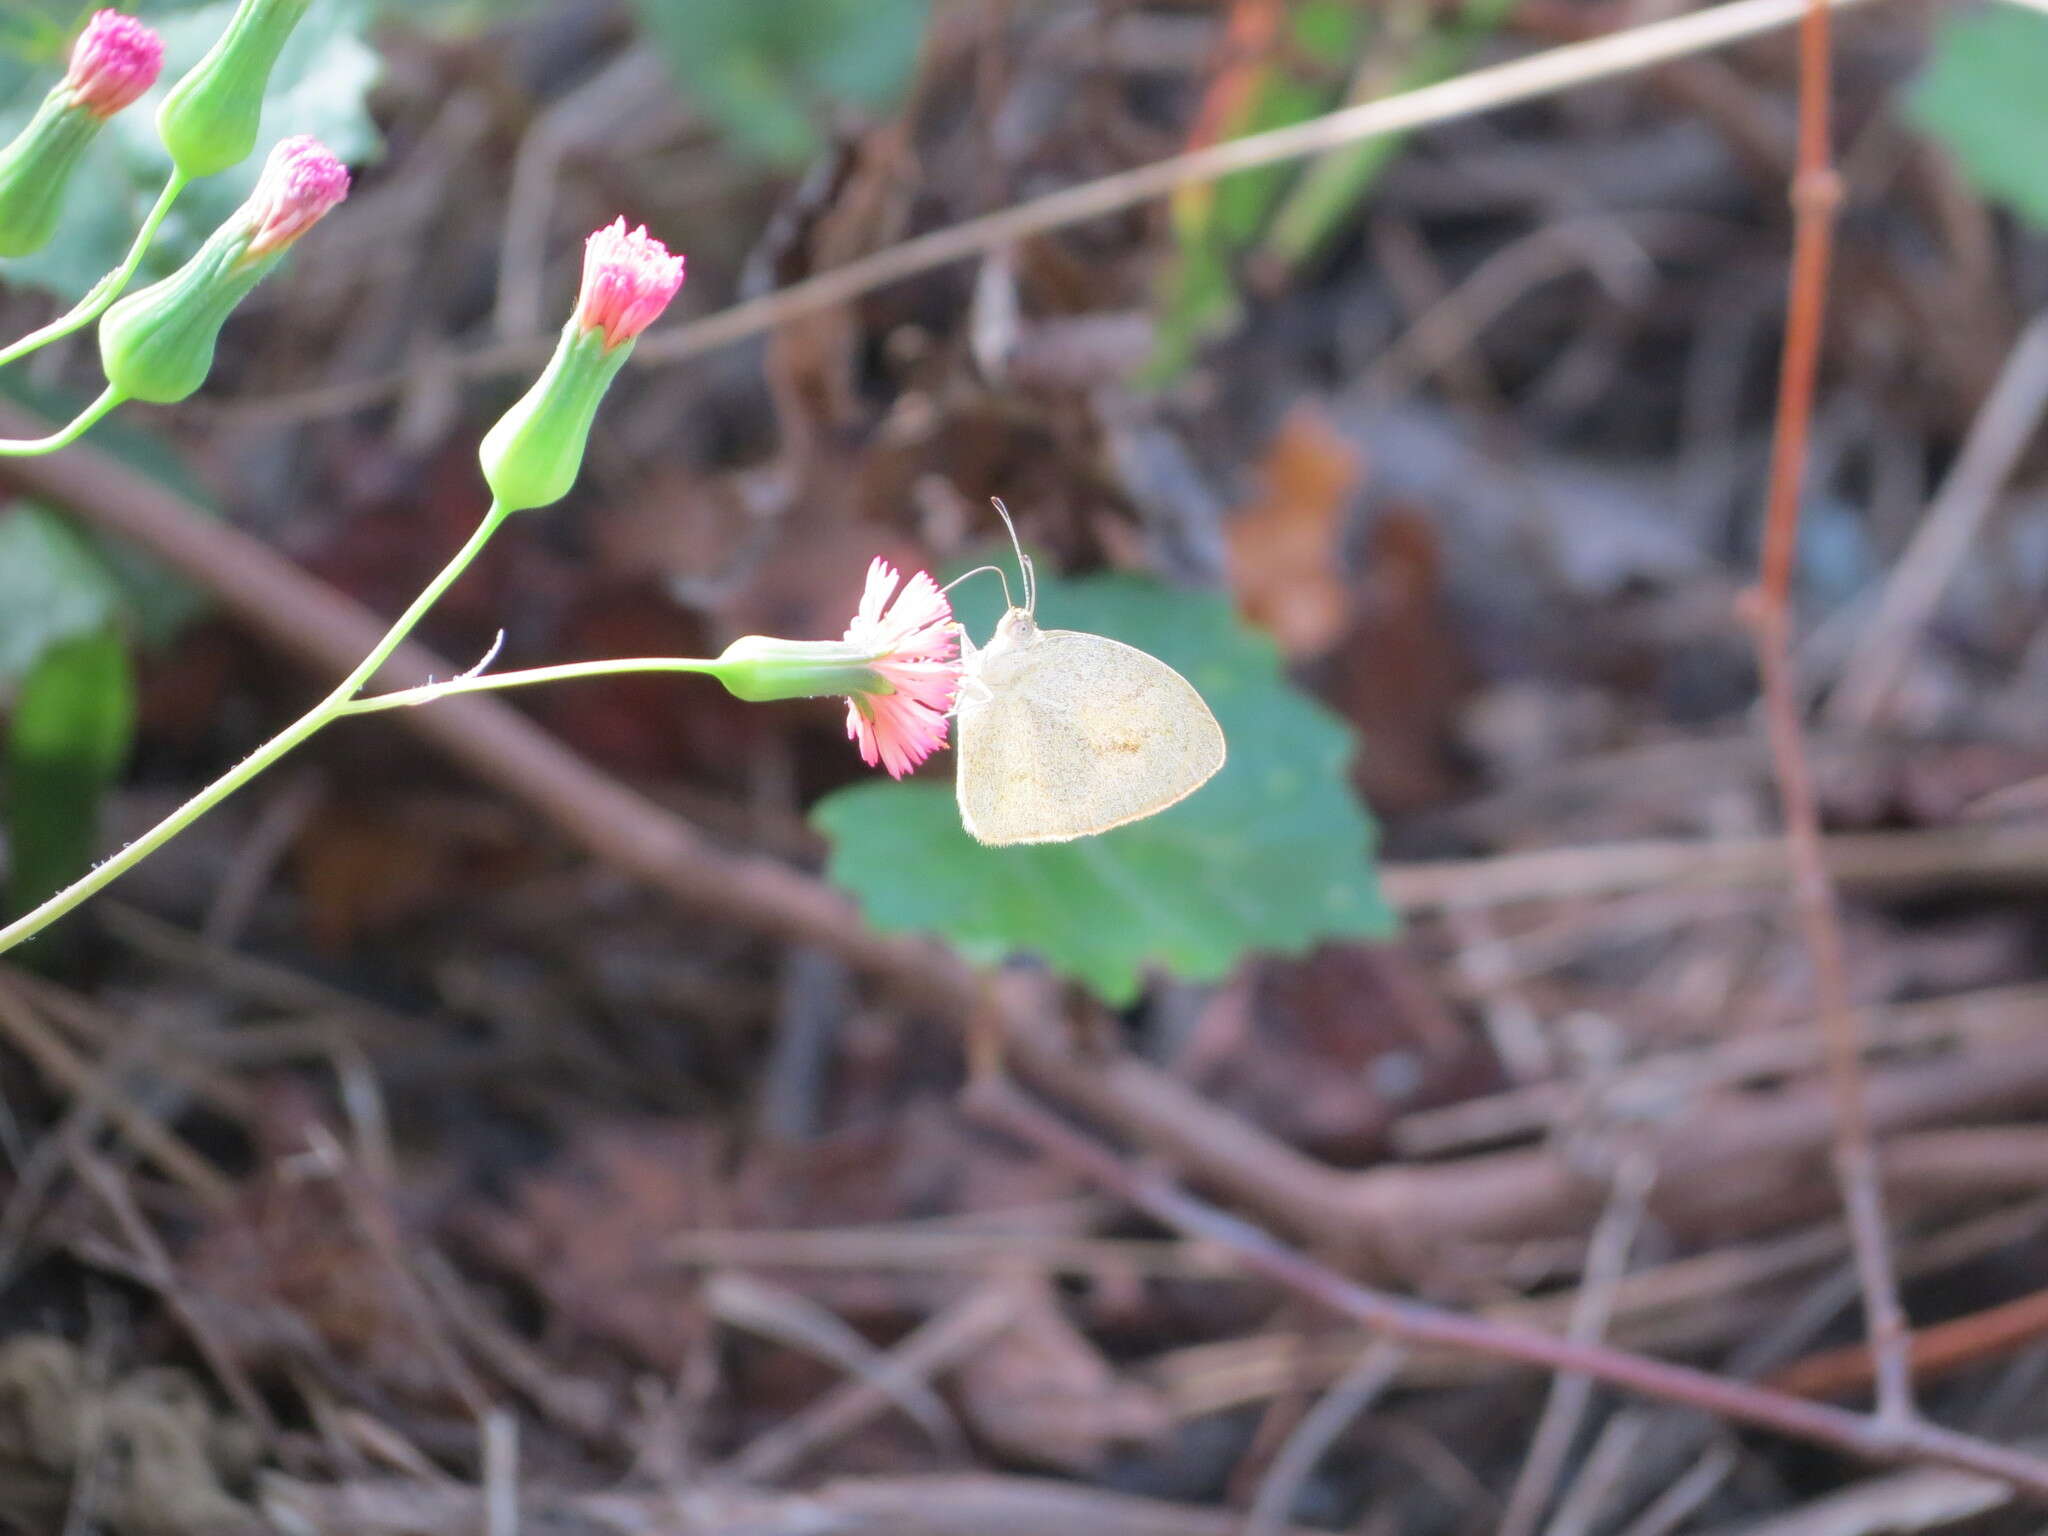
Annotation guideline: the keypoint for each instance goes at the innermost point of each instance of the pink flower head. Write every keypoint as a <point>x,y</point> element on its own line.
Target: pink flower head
<point>301,180</point>
<point>115,59</point>
<point>628,280</point>
<point>915,648</point>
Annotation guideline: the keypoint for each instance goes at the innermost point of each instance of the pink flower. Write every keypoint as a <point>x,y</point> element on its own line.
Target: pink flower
<point>301,180</point>
<point>914,649</point>
<point>628,280</point>
<point>115,59</point>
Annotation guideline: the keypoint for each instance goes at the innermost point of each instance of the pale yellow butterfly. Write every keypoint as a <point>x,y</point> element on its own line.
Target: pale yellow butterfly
<point>1061,734</point>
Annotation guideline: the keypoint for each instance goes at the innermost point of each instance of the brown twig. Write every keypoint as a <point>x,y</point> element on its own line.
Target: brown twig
<point>1628,51</point>
<point>1946,1347</point>
<point>2005,425</point>
<point>1816,195</point>
<point>1871,1438</point>
<point>1564,1410</point>
<point>934,1504</point>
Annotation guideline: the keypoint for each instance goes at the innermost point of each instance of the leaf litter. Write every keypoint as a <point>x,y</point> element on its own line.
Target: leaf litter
<point>497,1124</point>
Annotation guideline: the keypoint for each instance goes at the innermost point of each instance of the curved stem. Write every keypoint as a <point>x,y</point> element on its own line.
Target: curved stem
<point>108,288</point>
<point>64,437</point>
<point>327,710</point>
<point>426,693</point>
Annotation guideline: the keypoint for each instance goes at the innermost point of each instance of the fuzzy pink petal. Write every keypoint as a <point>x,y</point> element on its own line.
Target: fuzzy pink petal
<point>628,279</point>
<point>301,181</point>
<point>115,60</point>
<point>915,646</point>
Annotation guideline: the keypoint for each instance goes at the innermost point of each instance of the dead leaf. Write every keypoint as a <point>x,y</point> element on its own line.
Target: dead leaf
<point>1400,674</point>
<point>587,1233</point>
<point>1040,1393</point>
<point>1285,564</point>
<point>287,1272</point>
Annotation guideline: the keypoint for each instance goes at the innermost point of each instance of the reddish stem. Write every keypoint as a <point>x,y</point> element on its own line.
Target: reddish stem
<point>1816,194</point>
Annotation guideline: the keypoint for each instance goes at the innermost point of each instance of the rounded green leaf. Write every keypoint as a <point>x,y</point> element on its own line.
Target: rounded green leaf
<point>1274,853</point>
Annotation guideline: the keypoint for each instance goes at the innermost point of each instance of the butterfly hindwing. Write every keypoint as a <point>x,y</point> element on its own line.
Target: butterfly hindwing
<point>1070,734</point>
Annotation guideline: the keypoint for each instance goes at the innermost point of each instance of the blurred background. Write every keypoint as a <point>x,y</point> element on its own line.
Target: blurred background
<point>386,1156</point>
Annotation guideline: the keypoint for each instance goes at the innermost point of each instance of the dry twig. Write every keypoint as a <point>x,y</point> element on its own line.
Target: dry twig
<point>1001,1106</point>
<point>1816,195</point>
<point>1999,435</point>
<point>1481,90</point>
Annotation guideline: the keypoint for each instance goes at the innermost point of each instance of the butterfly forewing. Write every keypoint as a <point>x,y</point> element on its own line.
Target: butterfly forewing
<point>1071,734</point>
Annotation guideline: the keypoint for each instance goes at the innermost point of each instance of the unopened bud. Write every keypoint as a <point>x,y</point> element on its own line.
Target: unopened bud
<point>532,456</point>
<point>157,345</point>
<point>115,59</point>
<point>209,120</point>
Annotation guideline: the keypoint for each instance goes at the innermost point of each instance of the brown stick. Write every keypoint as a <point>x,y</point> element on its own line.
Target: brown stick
<point>1627,51</point>
<point>1876,1439</point>
<point>1936,1351</point>
<point>1816,194</point>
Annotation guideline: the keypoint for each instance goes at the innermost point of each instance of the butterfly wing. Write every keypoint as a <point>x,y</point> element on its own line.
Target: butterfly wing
<point>1073,734</point>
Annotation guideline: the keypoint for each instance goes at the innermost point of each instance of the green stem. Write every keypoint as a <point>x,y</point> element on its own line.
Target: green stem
<point>108,288</point>
<point>426,693</point>
<point>326,711</point>
<point>64,437</point>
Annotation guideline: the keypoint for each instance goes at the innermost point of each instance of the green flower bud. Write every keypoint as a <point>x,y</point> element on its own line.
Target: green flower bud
<point>157,344</point>
<point>35,170</point>
<point>531,457</point>
<point>758,668</point>
<point>115,59</point>
<point>209,120</point>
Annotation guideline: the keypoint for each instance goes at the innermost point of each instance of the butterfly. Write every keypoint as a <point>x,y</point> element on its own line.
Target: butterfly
<point>1061,734</point>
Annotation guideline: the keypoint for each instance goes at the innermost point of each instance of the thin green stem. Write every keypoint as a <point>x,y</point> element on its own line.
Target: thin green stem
<point>426,693</point>
<point>429,595</point>
<point>325,712</point>
<point>108,288</point>
<point>64,437</point>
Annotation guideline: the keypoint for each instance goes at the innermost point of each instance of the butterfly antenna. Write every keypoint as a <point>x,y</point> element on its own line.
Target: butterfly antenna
<point>981,570</point>
<point>1023,560</point>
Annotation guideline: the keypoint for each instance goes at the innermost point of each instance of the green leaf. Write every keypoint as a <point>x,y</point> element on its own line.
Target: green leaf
<point>53,586</point>
<point>319,87</point>
<point>1984,98</point>
<point>1214,224</point>
<point>769,73</point>
<point>69,736</point>
<point>1274,853</point>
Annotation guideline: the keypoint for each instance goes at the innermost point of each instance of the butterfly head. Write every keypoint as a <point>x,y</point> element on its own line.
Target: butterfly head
<point>1018,627</point>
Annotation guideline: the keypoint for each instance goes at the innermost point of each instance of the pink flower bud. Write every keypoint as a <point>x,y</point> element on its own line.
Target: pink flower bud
<point>628,280</point>
<point>115,59</point>
<point>301,180</point>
